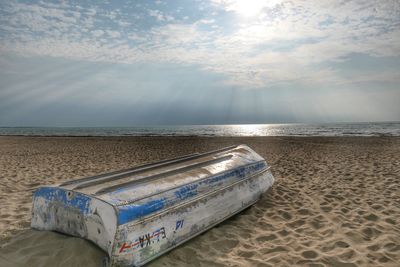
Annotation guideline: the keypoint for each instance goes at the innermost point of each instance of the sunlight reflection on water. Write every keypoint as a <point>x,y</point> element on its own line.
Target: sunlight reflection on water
<point>334,129</point>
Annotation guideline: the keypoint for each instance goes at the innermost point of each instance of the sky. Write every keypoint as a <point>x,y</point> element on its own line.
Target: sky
<point>126,63</point>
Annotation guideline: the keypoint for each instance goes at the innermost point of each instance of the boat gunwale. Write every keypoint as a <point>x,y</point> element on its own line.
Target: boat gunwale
<point>116,175</point>
<point>144,219</point>
<point>157,176</point>
<point>107,174</point>
<point>192,182</point>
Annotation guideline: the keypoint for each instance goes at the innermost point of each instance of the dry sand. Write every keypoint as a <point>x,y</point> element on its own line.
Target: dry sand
<point>335,202</point>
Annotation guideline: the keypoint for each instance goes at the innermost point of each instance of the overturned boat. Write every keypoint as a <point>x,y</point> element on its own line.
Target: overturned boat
<point>135,215</point>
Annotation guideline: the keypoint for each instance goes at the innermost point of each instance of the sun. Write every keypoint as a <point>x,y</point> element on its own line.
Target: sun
<point>248,8</point>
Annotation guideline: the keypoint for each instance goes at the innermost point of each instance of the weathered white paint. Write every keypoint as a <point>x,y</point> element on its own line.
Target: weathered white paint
<point>99,225</point>
<point>138,214</point>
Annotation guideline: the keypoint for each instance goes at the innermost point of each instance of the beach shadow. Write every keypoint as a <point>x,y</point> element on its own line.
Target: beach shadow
<point>48,249</point>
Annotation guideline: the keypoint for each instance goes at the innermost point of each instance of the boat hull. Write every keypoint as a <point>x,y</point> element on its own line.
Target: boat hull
<point>140,242</point>
<point>137,214</point>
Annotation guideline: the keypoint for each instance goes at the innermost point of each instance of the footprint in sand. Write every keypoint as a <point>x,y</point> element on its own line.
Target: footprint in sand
<point>370,233</point>
<point>266,238</point>
<point>309,254</point>
<point>392,247</point>
<point>341,244</point>
<point>371,217</point>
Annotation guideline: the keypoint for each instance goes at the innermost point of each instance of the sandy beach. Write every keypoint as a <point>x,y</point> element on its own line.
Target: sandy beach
<point>335,201</point>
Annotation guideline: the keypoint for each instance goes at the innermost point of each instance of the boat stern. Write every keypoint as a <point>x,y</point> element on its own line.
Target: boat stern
<point>75,214</point>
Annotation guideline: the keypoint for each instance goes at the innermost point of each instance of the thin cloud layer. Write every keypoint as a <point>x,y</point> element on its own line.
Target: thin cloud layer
<point>198,62</point>
<point>255,44</point>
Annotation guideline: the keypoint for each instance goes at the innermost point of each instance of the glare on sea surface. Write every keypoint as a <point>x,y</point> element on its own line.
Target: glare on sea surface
<point>252,129</point>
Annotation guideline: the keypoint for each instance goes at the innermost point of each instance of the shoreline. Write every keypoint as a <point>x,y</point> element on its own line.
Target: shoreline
<point>205,136</point>
<point>335,200</point>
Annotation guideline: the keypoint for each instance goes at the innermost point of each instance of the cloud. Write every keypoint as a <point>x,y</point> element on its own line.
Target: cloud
<point>159,15</point>
<point>254,44</point>
<point>97,33</point>
<point>246,8</point>
<point>113,34</point>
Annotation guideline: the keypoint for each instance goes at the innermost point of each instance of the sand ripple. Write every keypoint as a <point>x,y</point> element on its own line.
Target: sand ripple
<point>336,201</point>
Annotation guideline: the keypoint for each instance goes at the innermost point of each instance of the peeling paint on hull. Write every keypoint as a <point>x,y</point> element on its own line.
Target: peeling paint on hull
<point>136,215</point>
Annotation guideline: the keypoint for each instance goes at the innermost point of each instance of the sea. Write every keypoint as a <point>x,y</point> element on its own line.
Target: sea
<point>322,129</point>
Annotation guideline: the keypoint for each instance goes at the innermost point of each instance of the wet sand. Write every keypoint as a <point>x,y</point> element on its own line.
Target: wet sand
<point>335,202</point>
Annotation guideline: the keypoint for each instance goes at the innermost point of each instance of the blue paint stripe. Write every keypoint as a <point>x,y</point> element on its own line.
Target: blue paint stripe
<point>135,211</point>
<point>131,212</point>
<point>54,194</point>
